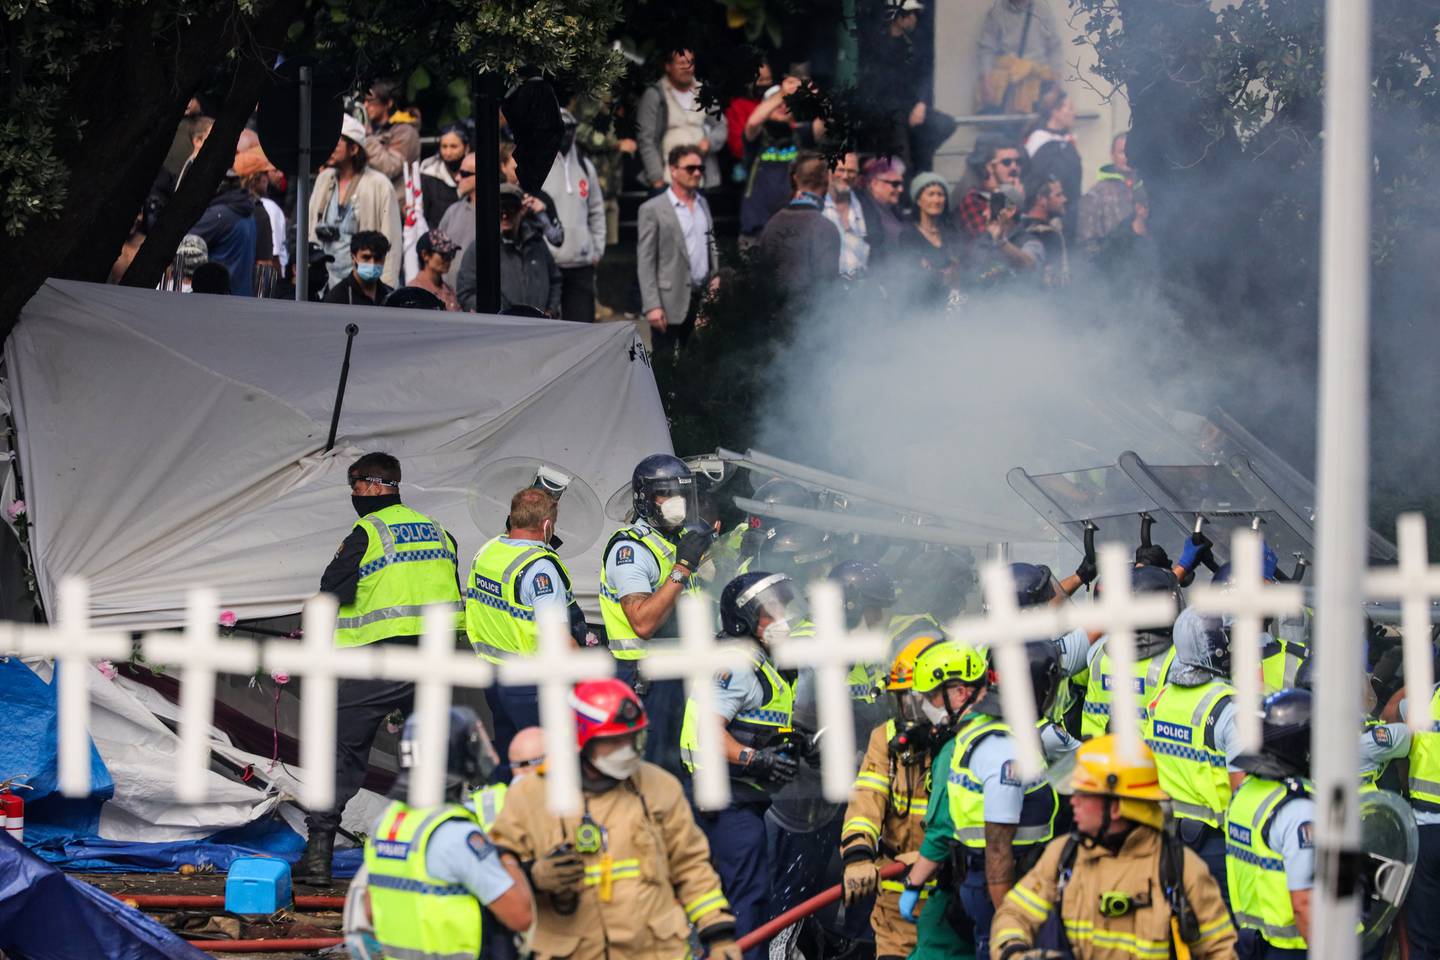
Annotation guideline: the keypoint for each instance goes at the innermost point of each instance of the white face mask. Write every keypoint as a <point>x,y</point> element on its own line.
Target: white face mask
<point>936,715</point>
<point>621,764</point>
<point>778,631</point>
<point>672,511</point>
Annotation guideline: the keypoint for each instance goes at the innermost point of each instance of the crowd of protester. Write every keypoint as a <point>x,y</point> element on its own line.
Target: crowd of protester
<point>382,217</point>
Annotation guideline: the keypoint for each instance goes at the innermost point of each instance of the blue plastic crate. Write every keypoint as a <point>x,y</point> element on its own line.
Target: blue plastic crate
<point>257,886</point>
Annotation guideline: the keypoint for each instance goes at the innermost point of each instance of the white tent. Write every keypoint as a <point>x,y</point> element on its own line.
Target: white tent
<point>168,441</point>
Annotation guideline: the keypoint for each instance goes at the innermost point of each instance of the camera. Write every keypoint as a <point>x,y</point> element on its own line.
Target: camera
<point>327,232</point>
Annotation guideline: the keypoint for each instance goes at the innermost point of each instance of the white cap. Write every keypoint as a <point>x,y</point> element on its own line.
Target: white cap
<point>352,129</point>
<point>898,7</point>
<point>771,92</point>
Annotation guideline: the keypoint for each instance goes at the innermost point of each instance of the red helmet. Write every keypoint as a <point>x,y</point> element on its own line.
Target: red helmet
<point>605,708</point>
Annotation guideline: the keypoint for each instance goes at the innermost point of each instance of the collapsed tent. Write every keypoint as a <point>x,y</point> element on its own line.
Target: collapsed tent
<point>168,441</point>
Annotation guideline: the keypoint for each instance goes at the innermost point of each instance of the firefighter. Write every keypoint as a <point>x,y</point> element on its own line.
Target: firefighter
<point>629,875</point>
<point>756,710</point>
<point>1270,858</point>
<point>431,872</point>
<point>1154,652</point>
<point>1001,822</point>
<point>1115,888</point>
<point>1193,736</point>
<point>885,819</point>
<point>395,562</point>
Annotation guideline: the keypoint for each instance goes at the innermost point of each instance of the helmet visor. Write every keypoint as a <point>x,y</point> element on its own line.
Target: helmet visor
<point>908,707</point>
<point>673,502</point>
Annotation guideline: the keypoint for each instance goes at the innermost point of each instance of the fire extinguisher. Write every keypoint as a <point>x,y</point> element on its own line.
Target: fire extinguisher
<point>13,807</point>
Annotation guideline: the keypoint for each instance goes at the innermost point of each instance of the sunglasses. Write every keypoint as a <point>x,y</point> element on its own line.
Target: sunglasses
<point>466,173</point>
<point>691,168</point>
<point>1008,161</point>
<point>893,183</point>
<point>380,480</point>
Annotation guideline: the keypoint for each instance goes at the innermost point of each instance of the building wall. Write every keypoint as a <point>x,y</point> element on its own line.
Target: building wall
<point>957,26</point>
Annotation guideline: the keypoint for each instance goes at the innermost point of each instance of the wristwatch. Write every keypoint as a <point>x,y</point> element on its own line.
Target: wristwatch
<point>680,574</point>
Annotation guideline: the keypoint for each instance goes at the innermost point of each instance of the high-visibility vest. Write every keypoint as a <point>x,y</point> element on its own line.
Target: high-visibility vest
<point>1181,735</point>
<point>416,915</point>
<point>408,565</point>
<point>625,643</point>
<point>489,801</point>
<point>499,625</point>
<point>1425,760</point>
<point>753,727</point>
<point>1150,673</point>
<point>1280,660</point>
<point>1254,871</point>
<point>966,792</point>
<point>865,680</point>
<point>905,627</point>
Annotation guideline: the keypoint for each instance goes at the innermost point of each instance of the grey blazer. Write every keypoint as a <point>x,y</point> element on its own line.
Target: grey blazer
<point>662,262</point>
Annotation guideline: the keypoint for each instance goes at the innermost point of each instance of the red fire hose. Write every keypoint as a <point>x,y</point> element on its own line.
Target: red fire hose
<point>264,946</point>
<point>760,934</point>
<point>160,901</point>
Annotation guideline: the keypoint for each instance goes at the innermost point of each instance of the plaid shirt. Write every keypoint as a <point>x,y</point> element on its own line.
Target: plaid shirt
<point>970,216</point>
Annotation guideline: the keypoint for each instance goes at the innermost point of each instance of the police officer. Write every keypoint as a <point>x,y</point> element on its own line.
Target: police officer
<point>646,566</point>
<point>1380,742</point>
<point>885,819</point>
<point>756,709</point>
<point>1284,643</point>
<point>526,756</point>
<point>1422,926</point>
<point>1001,822</point>
<point>1193,735</point>
<point>1154,652</point>
<point>1117,886</point>
<point>512,578</point>
<point>429,871</point>
<point>1036,586</point>
<point>1270,861</point>
<point>930,593</point>
<point>631,874</point>
<point>394,563</point>
<point>759,529</point>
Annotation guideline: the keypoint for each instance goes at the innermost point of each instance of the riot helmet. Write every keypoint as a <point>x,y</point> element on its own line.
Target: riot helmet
<point>752,595</point>
<point>938,582</point>
<point>793,548</point>
<point>866,587</point>
<point>1285,738</point>
<point>1034,584</point>
<point>470,758</point>
<point>1043,669</point>
<point>1154,580</point>
<point>1202,649</point>
<point>663,492</point>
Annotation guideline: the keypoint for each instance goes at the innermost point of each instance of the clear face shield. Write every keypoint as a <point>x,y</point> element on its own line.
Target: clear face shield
<point>782,604</point>
<point>675,502</point>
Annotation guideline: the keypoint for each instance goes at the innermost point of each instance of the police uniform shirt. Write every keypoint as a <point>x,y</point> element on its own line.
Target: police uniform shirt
<point>1074,650</point>
<point>1227,735</point>
<point>1422,817</point>
<point>1056,743</point>
<point>992,763</point>
<point>1292,835</point>
<point>459,852</point>
<point>542,585</point>
<point>1382,743</point>
<point>630,567</point>
<point>738,690</point>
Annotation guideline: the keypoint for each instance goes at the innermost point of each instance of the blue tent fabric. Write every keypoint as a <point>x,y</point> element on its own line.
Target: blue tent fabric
<point>29,746</point>
<point>260,839</point>
<point>45,915</point>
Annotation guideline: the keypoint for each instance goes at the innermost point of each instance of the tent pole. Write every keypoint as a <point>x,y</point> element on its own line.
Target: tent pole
<point>350,331</point>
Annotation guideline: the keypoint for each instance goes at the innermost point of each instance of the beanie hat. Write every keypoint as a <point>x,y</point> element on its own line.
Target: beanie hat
<point>923,180</point>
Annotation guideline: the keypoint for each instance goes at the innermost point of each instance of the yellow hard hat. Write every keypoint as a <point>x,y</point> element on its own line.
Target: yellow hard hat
<point>1099,768</point>
<point>902,670</point>
<point>949,660</point>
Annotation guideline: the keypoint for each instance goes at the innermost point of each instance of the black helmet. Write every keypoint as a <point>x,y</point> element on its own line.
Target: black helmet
<point>470,757</point>
<point>1043,659</point>
<point>792,548</point>
<point>866,586</point>
<point>750,594</point>
<point>786,493</point>
<point>1034,584</point>
<point>663,476</point>
<point>1285,740</point>
<point>1154,580</point>
<point>938,583</point>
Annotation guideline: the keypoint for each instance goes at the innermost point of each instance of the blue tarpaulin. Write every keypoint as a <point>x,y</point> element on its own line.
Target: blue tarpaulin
<point>45,915</point>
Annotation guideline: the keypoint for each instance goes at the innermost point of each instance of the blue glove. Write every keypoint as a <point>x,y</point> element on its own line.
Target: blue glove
<point>1269,563</point>
<point>909,900</point>
<point>1196,547</point>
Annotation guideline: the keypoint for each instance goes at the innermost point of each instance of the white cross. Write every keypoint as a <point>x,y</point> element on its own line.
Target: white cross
<point>1249,599</point>
<point>1416,584</point>
<point>1119,613</point>
<point>830,654</point>
<point>200,654</point>
<point>556,667</point>
<point>698,659</point>
<point>73,645</point>
<point>1004,628</point>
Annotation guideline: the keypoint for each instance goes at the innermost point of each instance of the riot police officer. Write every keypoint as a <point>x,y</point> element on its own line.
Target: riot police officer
<point>395,562</point>
<point>756,712</point>
<point>1193,735</point>
<point>1270,860</point>
<point>431,872</point>
<point>646,566</point>
<point>631,875</point>
<point>1154,652</point>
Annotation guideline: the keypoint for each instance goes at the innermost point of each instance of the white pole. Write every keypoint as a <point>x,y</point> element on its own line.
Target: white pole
<point>1343,469</point>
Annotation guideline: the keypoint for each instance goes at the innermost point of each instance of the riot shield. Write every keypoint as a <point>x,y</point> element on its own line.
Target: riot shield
<point>1389,845</point>
<point>580,522</point>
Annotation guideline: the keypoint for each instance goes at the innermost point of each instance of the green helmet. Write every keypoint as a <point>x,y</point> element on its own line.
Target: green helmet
<point>949,660</point>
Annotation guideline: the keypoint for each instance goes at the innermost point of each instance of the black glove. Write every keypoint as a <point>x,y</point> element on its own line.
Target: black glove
<point>692,546</point>
<point>1388,676</point>
<point>771,766</point>
<point>1088,570</point>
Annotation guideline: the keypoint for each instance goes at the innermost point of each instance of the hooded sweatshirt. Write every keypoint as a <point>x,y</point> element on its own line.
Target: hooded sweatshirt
<point>228,228</point>
<point>575,188</point>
